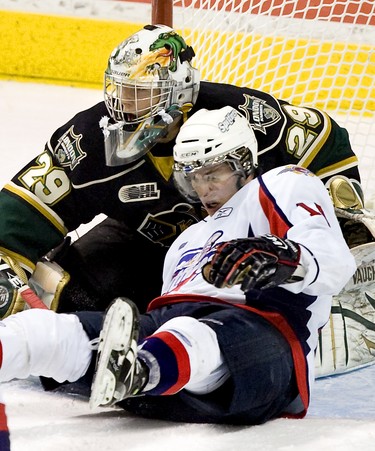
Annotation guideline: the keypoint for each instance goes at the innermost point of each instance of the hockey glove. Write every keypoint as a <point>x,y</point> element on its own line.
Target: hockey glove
<point>262,262</point>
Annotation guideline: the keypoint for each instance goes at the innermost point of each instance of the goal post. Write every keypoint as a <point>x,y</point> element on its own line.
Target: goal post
<point>162,12</point>
<point>309,52</point>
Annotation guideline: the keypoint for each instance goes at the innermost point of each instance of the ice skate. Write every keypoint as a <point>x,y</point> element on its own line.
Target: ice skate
<point>118,374</point>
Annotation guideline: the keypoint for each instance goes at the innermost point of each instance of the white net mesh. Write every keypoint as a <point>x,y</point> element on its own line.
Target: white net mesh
<point>309,52</point>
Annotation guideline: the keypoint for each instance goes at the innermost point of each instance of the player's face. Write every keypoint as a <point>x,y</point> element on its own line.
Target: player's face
<point>139,101</point>
<point>215,185</point>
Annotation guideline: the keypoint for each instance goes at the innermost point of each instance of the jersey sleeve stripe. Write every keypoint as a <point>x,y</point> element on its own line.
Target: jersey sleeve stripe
<point>25,263</point>
<point>279,223</point>
<point>22,224</point>
<point>33,200</point>
<point>337,168</point>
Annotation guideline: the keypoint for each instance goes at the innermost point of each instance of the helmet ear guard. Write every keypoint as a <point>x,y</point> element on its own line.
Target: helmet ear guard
<point>212,137</point>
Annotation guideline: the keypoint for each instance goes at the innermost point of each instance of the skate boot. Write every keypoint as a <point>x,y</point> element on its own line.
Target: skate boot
<point>119,374</point>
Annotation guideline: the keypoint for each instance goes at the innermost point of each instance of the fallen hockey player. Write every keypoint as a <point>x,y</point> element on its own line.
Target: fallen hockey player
<point>232,338</point>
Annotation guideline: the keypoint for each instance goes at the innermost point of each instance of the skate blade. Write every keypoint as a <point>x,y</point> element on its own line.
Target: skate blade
<point>116,335</point>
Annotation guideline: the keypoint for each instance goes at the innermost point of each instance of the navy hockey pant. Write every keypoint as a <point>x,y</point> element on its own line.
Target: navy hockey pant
<point>262,382</point>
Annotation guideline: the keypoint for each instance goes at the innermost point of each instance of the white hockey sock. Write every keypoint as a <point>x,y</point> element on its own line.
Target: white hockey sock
<point>43,343</point>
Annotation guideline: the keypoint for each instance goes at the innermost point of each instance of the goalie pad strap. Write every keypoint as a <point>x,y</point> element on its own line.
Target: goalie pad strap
<point>362,216</point>
<point>48,281</point>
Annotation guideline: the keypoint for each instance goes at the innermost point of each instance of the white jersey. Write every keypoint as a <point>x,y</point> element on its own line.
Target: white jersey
<point>289,202</point>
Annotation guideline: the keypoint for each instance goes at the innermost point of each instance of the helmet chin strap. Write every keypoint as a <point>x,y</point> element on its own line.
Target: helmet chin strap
<point>167,118</point>
<point>173,126</point>
<point>241,181</point>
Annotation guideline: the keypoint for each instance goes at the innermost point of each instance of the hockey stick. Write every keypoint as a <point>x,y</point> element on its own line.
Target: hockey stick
<point>31,298</point>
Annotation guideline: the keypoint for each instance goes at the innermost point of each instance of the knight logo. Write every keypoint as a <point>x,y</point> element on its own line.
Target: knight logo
<point>122,54</point>
<point>259,113</point>
<point>68,150</point>
<point>139,192</point>
<point>164,227</point>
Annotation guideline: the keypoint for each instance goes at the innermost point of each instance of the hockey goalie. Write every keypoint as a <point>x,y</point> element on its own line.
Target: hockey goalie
<point>347,342</point>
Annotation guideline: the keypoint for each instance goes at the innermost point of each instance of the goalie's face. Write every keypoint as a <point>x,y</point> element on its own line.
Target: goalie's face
<point>132,104</point>
<point>143,123</point>
<point>215,185</point>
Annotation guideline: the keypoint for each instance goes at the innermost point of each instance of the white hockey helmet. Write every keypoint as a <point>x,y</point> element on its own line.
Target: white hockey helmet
<point>155,60</point>
<point>213,137</point>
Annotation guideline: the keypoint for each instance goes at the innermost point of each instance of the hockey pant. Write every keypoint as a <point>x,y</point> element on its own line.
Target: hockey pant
<point>260,387</point>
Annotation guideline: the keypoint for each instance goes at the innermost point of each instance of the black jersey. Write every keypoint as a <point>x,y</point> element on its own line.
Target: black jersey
<point>68,184</point>
<point>287,134</point>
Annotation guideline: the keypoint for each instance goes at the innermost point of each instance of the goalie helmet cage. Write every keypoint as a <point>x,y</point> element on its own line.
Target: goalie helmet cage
<point>309,52</point>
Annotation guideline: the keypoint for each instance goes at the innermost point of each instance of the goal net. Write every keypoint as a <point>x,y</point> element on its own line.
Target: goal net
<point>309,52</point>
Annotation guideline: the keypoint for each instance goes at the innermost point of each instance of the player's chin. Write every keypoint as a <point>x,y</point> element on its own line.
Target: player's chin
<point>212,207</point>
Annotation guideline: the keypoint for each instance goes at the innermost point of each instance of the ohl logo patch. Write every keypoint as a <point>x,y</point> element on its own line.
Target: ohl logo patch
<point>139,192</point>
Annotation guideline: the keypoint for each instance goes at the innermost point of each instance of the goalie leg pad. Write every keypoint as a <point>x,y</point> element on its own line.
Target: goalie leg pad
<point>347,341</point>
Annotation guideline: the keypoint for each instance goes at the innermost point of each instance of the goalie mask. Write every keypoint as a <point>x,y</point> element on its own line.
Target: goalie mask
<point>148,84</point>
<point>211,138</point>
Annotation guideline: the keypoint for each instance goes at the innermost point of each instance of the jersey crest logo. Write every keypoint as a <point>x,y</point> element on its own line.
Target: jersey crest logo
<point>68,150</point>
<point>259,113</point>
<point>191,262</point>
<point>164,227</point>
<point>223,212</point>
<point>139,192</point>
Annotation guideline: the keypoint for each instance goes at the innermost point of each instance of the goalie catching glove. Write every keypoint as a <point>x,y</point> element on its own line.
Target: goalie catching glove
<point>262,262</point>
